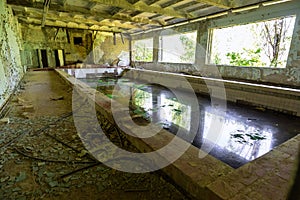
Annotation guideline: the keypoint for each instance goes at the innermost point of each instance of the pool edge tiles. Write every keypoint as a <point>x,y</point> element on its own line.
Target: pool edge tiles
<point>209,178</point>
<point>284,100</point>
<point>268,176</point>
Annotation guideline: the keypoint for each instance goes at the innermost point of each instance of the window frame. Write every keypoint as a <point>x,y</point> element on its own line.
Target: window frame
<point>173,34</point>
<point>245,19</point>
<point>133,50</point>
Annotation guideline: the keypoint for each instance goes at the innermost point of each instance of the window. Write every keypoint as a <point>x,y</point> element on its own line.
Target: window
<point>77,40</point>
<point>178,48</point>
<point>260,44</point>
<point>143,50</point>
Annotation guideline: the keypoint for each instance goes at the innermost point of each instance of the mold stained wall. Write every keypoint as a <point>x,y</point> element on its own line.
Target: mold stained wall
<point>287,76</point>
<point>96,47</point>
<point>106,50</point>
<point>11,69</point>
<point>50,39</point>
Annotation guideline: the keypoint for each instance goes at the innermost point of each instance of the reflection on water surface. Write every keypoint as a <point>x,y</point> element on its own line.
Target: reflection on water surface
<point>246,134</point>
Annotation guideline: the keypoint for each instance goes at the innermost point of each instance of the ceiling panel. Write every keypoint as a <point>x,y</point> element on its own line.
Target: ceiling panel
<point>128,16</point>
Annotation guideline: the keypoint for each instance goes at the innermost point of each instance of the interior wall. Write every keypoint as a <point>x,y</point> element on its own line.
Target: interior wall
<point>50,39</point>
<point>111,48</point>
<point>96,47</point>
<point>285,76</point>
<point>11,69</point>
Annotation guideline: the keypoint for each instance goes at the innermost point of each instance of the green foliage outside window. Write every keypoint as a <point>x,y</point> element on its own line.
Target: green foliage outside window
<point>143,51</point>
<point>189,49</point>
<point>248,57</point>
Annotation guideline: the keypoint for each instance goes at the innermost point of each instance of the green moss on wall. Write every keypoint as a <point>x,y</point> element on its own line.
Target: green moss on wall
<point>11,69</point>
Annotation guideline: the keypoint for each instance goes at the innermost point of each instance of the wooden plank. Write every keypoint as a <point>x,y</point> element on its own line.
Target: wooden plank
<point>88,14</point>
<point>142,6</point>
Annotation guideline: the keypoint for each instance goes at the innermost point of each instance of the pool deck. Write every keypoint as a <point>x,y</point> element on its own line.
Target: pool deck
<point>268,177</point>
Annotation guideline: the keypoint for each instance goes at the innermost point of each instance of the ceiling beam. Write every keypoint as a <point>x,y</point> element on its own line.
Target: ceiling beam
<point>57,17</point>
<point>88,13</point>
<point>37,22</point>
<point>218,3</point>
<point>45,11</point>
<point>142,6</point>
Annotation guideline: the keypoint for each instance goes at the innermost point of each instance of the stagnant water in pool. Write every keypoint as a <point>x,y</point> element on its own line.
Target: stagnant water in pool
<point>246,134</point>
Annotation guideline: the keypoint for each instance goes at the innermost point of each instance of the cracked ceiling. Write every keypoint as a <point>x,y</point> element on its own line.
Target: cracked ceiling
<point>126,16</point>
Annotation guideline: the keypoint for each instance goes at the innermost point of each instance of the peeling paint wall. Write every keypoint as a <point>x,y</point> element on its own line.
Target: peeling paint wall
<point>107,50</point>
<point>51,39</point>
<point>286,76</point>
<point>11,69</point>
<point>96,48</point>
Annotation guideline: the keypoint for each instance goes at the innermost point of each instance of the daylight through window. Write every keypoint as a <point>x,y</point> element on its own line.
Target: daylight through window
<point>261,44</point>
<point>178,48</point>
<point>143,50</point>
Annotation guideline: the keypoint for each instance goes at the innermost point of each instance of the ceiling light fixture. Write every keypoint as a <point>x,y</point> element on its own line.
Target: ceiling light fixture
<point>245,8</point>
<point>217,15</point>
<point>274,2</point>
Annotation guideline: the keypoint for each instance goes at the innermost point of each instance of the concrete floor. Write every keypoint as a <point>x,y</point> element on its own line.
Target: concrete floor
<point>42,156</point>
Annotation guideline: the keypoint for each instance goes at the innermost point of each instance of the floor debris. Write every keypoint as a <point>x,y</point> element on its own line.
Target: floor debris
<point>42,156</point>
<point>4,121</point>
<point>57,98</point>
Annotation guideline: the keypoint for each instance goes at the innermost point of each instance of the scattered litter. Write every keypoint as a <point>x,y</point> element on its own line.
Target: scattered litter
<point>193,164</point>
<point>26,115</point>
<point>41,163</point>
<point>53,183</point>
<point>4,121</point>
<point>136,190</point>
<point>45,149</point>
<point>21,101</point>
<point>57,98</point>
<point>28,108</point>
<point>21,177</point>
<point>2,180</point>
<point>82,153</point>
<point>15,99</point>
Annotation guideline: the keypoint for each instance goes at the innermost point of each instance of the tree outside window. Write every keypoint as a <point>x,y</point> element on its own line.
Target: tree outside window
<point>261,44</point>
<point>143,50</point>
<point>178,48</point>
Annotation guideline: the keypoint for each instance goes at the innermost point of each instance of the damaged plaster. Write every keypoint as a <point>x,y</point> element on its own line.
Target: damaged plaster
<point>95,48</point>
<point>11,69</point>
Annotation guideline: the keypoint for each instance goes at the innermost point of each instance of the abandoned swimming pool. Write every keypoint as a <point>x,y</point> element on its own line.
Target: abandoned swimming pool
<point>246,133</point>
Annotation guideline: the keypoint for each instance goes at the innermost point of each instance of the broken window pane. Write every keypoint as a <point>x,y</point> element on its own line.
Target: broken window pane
<point>77,40</point>
<point>260,44</point>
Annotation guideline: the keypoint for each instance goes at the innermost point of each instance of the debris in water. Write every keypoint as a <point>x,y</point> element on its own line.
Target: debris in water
<point>256,136</point>
<point>261,109</point>
<point>251,119</point>
<point>247,138</point>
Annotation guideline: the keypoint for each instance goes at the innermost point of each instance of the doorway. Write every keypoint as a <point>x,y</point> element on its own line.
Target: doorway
<point>44,58</point>
<point>59,57</point>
